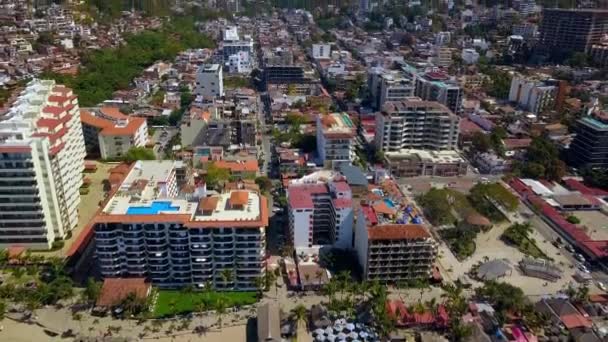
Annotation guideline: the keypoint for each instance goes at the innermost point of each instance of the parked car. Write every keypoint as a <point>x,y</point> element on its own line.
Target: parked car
<point>601,286</point>
<point>583,268</point>
<point>569,248</point>
<point>579,257</point>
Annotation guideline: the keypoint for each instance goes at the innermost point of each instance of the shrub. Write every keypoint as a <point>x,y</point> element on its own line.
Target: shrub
<point>573,219</point>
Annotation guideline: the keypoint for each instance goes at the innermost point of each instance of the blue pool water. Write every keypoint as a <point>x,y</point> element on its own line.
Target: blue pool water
<point>152,209</point>
<point>389,203</point>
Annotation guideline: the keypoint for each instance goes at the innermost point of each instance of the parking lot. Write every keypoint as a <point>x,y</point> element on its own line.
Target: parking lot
<point>595,221</point>
<point>161,138</point>
<point>490,247</point>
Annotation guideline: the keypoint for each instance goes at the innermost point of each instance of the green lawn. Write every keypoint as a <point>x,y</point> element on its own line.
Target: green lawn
<point>170,303</point>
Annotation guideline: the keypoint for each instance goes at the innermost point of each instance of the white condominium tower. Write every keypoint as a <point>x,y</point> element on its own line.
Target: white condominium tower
<point>416,124</point>
<point>41,159</point>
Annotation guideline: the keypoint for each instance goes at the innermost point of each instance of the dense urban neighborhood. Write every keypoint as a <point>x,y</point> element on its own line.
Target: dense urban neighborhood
<point>255,170</point>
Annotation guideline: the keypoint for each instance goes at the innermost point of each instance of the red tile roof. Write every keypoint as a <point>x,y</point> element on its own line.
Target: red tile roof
<point>574,184</point>
<point>468,127</point>
<point>511,144</point>
<point>300,196</point>
<point>370,215</point>
<point>575,321</point>
<point>113,112</point>
<point>397,232</point>
<point>115,290</point>
<point>239,197</point>
<point>108,127</point>
<point>15,149</point>
<point>343,203</point>
<point>250,165</point>
<point>341,186</point>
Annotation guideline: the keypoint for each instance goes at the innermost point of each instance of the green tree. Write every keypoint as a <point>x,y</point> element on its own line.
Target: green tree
<point>436,206</point>
<point>542,161</point>
<point>220,310</point>
<point>578,60</point>
<point>138,153</point>
<point>480,143</point>
<point>264,183</point>
<point>227,276</point>
<point>573,219</point>
<point>216,175</point>
<point>2,310</point>
<point>504,297</point>
<point>92,290</point>
<point>596,177</point>
<point>300,315</point>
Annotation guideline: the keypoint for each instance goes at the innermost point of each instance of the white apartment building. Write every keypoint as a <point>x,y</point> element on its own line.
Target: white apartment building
<point>533,94</point>
<point>335,139</point>
<point>239,63</point>
<point>388,85</point>
<point>416,124</point>
<point>232,44</point>
<point>321,51</point>
<point>320,214</point>
<point>41,159</point>
<point>209,81</point>
<point>110,134</point>
<point>178,239</point>
<point>470,56</point>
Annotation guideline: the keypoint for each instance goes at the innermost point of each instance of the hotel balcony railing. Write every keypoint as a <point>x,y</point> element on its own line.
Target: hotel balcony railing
<point>158,243</point>
<point>247,232</point>
<point>199,232</point>
<point>133,235</point>
<point>159,269</point>
<point>248,239</point>
<point>200,239</point>
<point>249,245</point>
<point>223,246</point>
<point>197,254</point>
<point>131,256</point>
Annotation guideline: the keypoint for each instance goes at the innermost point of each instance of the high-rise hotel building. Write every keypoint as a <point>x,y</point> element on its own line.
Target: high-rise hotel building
<point>176,239</point>
<point>41,160</point>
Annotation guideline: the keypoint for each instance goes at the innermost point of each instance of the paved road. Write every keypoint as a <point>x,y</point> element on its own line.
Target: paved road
<point>162,136</point>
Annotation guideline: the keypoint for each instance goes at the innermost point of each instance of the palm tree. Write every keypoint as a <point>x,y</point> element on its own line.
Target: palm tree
<point>260,285</point>
<point>330,290</point>
<point>582,294</point>
<point>2,310</point>
<point>220,310</point>
<point>201,307</point>
<point>307,278</point>
<point>300,315</point>
<point>459,330</point>
<point>319,277</point>
<point>227,276</point>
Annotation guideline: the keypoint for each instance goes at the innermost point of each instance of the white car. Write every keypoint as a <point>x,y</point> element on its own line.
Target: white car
<point>601,286</point>
<point>579,257</point>
<point>583,268</point>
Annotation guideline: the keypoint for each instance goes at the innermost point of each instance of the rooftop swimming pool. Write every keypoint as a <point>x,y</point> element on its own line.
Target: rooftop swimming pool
<point>389,203</point>
<point>153,209</point>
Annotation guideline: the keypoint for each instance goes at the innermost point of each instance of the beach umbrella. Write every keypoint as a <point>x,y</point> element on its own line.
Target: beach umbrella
<point>353,335</point>
<point>320,338</point>
<point>359,326</point>
<point>363,335</point>
<point>350,327</point>
<point>341,336</point>
<point>329,330</point>
<point>338,328</point>
<point>319,331</point>
<point>331,337</point>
